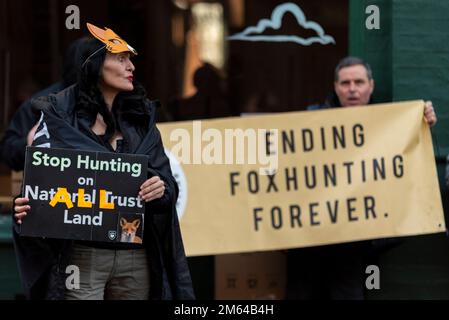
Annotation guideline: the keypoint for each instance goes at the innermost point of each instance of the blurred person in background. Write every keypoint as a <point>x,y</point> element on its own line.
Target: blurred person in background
<point>23,124</point>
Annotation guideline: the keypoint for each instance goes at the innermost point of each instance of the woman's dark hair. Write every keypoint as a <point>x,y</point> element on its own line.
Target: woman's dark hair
<point>90,99</point>
<point>92,57</point>
<point>72,61</point>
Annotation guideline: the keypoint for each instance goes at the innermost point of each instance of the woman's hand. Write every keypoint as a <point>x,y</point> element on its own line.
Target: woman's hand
<point>20,209</point>
<point>152,189</point>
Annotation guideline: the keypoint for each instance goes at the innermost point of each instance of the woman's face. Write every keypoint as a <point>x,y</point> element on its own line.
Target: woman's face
<point>117,72</point>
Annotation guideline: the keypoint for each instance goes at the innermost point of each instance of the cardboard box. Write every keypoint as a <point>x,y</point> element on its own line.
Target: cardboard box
<point>251,276</point>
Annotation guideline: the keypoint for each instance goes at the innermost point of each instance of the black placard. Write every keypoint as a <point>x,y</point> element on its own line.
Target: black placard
<point>110,182</point>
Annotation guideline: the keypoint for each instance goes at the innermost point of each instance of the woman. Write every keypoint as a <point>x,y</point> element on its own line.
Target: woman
<point>108,111</point>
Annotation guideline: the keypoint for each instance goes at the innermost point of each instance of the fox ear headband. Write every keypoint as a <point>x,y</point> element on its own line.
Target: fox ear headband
<point>113,43</point>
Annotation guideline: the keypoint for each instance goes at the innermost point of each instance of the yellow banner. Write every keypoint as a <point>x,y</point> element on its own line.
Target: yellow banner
<point>302,179</point>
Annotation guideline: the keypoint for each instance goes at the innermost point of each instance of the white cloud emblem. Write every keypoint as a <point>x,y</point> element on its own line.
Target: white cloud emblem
<point>254,33</point>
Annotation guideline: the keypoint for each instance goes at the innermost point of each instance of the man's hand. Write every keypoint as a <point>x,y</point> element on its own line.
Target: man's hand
<point>152,189</point>
<point>429,114</point>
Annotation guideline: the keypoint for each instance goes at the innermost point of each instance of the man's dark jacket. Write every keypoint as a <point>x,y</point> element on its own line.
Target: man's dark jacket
<point>13,144</point>
<point>42,262</point>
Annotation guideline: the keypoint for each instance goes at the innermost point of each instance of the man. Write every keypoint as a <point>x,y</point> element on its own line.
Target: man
<point>338,271</point>
<point>354,85</point>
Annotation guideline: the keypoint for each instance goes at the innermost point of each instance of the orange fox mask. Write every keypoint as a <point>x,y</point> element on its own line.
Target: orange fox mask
<point>113,42</point>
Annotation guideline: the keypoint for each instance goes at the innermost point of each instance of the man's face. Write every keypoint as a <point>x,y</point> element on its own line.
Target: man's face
<point>353,87</point>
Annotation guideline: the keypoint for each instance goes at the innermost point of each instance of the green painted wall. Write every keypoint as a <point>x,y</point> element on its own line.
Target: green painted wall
<point>409,55</point>
<point>420,54</point>
<point>10,286</point>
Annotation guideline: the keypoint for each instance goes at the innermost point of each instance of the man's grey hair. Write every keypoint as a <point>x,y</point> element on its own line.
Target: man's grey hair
<point>353,61</point>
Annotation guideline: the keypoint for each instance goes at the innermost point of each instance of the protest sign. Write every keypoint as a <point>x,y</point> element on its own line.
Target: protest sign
<point>84,195</point>
<point>302,179</point>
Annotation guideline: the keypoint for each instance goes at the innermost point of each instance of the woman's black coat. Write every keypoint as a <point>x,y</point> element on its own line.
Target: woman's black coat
<point>42,262</point>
